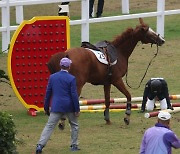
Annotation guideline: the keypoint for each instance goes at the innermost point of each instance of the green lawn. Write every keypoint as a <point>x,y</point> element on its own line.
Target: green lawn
<point>95,136</point>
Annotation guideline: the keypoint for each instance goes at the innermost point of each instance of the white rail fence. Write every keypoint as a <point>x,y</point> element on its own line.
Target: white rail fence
<point>6,28</point>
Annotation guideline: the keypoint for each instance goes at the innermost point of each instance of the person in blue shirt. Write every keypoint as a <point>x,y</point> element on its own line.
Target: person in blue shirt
<point>160,139</point>
<point>61,101</point>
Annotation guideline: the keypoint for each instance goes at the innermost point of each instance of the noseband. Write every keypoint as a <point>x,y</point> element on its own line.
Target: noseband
<point>151,39</point>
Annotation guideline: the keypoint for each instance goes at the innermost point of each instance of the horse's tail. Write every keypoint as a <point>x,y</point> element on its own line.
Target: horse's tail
<point>51,68</point>
<point>53,63</point>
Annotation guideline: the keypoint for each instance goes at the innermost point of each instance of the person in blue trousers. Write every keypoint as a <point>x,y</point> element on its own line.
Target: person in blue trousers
<point>61,101</point>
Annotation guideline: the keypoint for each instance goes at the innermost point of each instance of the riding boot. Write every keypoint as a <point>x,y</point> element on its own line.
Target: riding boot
<point>106,114</point>
<point>169,106</point>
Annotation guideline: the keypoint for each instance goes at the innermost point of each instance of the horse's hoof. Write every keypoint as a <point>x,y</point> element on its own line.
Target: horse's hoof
<point>108,122</point>
<point>126,120</point>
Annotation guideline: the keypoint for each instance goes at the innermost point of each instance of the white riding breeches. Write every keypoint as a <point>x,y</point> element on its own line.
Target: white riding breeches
<point>150,104</point>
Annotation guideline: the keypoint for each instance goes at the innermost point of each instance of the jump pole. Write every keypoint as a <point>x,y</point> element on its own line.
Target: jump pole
<point>154,114</point>
<point>111,110</point>
<point>118,106</point>
<point>114,100</point>
<point>119,100</point>
<point>112,106</point>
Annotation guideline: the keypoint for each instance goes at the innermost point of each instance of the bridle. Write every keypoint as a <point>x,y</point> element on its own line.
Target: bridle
<point>151,39</point>
<point>157,50</point>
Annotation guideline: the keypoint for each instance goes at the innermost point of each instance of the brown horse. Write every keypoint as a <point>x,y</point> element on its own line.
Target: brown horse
<point>86,68</point>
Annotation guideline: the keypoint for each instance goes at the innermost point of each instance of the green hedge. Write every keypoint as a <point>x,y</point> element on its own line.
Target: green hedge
<point>7,134</point>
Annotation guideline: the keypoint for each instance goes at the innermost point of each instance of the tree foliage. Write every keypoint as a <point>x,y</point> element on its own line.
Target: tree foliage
<point>7,134</point>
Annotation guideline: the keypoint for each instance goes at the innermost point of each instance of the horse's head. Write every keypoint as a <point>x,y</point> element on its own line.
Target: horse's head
<point>149,36</point>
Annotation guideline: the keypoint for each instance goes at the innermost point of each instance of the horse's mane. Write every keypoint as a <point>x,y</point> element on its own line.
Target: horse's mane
<point>126,34</point>
<point>122,37</point>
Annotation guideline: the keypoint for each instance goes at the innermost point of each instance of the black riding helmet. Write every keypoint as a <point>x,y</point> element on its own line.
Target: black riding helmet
<point>156,86</point>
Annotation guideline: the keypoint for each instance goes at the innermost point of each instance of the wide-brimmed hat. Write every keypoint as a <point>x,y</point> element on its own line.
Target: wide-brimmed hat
<point>164,115</point>
<point>66,62</point>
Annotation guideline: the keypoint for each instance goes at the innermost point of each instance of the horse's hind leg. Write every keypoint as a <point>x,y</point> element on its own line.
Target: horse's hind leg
<point>120,86</point>
<point>107,103</point>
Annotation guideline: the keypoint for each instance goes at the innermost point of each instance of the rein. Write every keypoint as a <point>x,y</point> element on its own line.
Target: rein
<point>145,71</point>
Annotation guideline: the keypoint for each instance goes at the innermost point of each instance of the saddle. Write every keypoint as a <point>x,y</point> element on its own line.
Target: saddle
<point>106,48</point>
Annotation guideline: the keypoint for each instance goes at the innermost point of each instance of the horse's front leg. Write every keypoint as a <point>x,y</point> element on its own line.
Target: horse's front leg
<point>107,103</point>
<point>121,87</point>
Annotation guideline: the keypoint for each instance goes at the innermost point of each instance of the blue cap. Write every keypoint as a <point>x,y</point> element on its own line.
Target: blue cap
<point>66,62</point>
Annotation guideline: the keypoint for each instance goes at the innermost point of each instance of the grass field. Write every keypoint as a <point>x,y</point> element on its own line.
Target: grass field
<point>96,137</point>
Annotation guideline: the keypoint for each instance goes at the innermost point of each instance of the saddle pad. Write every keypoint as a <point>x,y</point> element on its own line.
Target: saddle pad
<point>100,56</point>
